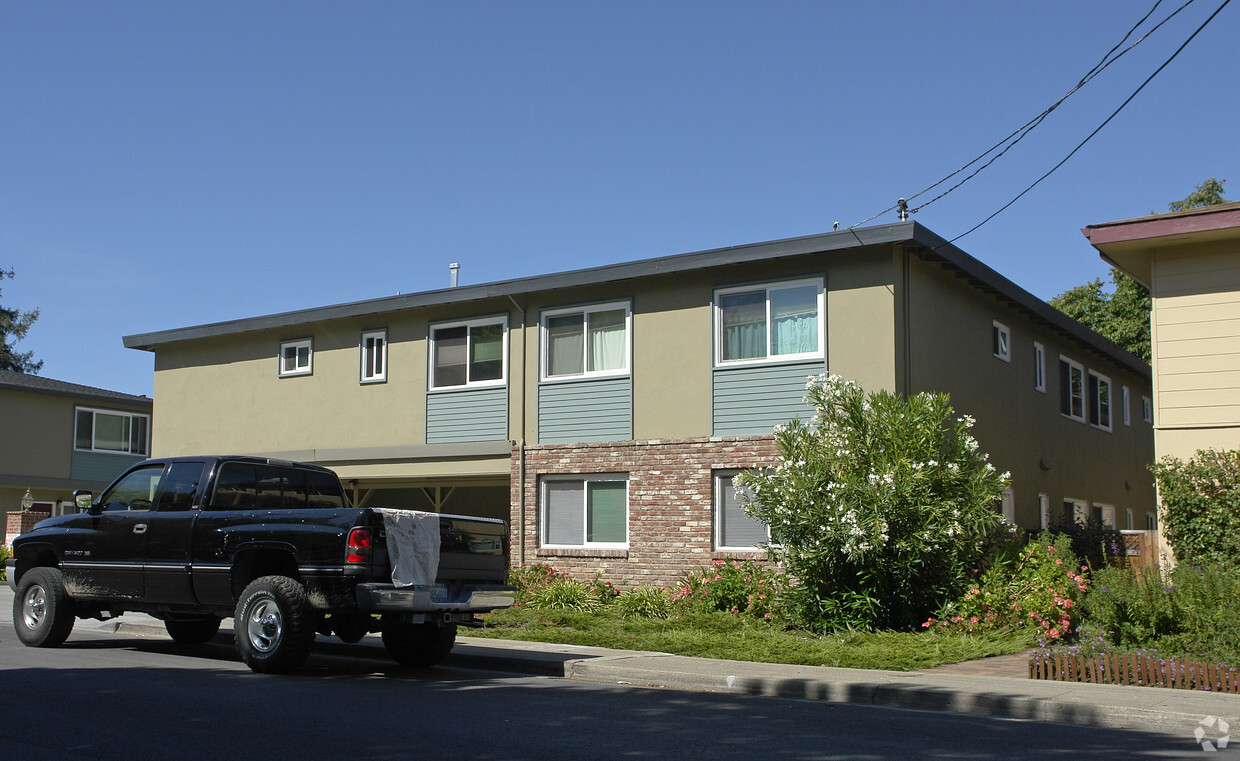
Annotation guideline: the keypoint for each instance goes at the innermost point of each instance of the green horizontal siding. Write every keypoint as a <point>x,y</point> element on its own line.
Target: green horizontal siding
<point>95,466</point>
<point>456,417</point>
<point>753,400</point>
<point>584,411</point>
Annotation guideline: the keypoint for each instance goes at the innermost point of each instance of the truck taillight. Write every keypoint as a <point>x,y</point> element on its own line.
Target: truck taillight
<point>358,549</point>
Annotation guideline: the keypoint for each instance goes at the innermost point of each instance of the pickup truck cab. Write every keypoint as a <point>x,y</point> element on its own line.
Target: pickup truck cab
<point>275,545</point>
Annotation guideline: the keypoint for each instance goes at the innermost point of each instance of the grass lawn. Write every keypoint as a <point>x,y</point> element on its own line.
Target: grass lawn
<point>722,635</point>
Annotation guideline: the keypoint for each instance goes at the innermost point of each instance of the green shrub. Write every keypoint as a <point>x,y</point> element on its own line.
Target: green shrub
<point>1200,514</point>
<point>880,505</point>
<point>645,602</point>
<point>532,576</point>
<point>605,591</point>
<point>563,594</point>
<point>729,586</point>
<point>4,555</point>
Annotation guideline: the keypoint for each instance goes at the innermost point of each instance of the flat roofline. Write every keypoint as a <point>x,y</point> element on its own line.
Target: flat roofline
<point>1186,222</point>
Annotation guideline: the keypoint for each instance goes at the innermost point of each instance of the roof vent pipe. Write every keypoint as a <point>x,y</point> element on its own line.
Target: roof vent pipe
<point>453,270</point>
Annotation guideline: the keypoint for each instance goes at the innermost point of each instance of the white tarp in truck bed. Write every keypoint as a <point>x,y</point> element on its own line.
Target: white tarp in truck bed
<point>412,545</point>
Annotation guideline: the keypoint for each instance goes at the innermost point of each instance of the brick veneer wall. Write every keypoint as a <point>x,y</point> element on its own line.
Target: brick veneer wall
<point>671,503</point>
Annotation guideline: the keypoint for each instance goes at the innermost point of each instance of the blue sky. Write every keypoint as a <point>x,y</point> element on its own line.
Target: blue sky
<point>174,164</point>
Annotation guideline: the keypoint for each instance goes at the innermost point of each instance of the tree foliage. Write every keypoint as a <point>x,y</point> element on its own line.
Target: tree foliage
<point>1200,515</point>
<point>1208,193</point>
<point>13,327</point>
<point>881,506</point>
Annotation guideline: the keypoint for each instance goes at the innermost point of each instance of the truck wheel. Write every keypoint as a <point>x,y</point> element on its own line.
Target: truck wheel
<point>42,610</point>
<point>192,631</point>
<point>273,625</point>
<point>417,644</point>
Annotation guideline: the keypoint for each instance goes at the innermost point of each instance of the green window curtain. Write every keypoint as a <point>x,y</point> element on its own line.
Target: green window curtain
<point>565,345</point>
<point>606,512</point>
<point>111,432</point>
<point>794,320</point>
<point>486,352</point>
<point>450,353</point>
<point>744,325</point>
<point>563,513</point>
<point>606,340</point>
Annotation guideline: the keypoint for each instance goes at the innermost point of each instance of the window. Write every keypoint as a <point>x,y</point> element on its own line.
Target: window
<point>1151,522</point>
<point>1001,341</point>
<point>180,486</point>
<point>1039,367</point>
<point>470,353</point>
<point>585,342</point>
<point>1007,506</point>
<point>136,489</point>
<point>1075,511</point>
<point>242,485</point>
<point>1147,409</point>
<point>1105,515</point>
<point>771,322</point>
<point>734,528</point>
<point>1099,401</point>
<point>1127,410</point>
<point>585,512</point>
<point>296,357</point>
<point>1071,389</point>
<point>1044,510</point>
<point>111,431</point>
<point>1128,521</point>
<point>374,356</point>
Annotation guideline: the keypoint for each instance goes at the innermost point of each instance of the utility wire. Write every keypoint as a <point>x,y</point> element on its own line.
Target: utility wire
<point>1099,127</point>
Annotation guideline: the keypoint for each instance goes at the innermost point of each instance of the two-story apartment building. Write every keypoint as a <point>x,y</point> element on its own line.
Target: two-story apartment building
<point>605,411</point>
<point>56,437</point>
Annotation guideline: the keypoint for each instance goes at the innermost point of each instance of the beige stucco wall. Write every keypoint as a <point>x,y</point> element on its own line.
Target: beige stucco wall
<point>950,348</point>
<point>38,434</point>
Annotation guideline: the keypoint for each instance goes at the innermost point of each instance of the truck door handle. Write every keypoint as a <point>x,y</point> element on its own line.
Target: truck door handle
<point>140,528</point>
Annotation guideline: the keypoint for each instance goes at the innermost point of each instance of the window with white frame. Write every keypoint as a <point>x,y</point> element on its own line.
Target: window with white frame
<point>1099,401</point>
<point>1127,414</point>
<point>763,323</point>
<point>1007,506</point>
<point>735,529</point>
<point>471,353</point>
<point>1001,341</point>
<point>1105,514</point>
<point>584,342</point>
<point>1076,511</point>
<point>1147,409</point>
<point>296,357</point>
<point>1151,521</point>
<point>589,511</point>
<point>1039,367</point>
<point>1071,389</point>
<point>111,431</point>
<point>1129,523</point>
<point>1044,510</point>
<point>374,356</point>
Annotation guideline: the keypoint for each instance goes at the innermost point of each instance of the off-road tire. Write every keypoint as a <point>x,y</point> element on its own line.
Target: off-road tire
<point>419,645</point>
<point>273,625</point>
<point>42,610</point>
<point>192,631</point>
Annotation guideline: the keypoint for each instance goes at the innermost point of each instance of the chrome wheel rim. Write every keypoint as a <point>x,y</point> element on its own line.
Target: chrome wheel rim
<point>34,607</point>
<point>264,626</point>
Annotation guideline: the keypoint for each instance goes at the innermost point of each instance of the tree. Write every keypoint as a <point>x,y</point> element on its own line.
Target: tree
<point>13,327</point>
<point>1123,315</point>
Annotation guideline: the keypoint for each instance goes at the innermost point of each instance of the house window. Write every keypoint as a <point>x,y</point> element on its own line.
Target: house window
<point>1071,389</point>
<point>1044,510</point>
<point>585,512</point>
<point>1039,367</point>
<point>586,342</point>
<point>111,431</point>
<point>1001,341</point>
<point>1151,522</point>
<point>1075,511</point>
<point>1007,506</point>
<point>296,357</point>
<point>1128,521</point>
<point>469,353</point>
<point>1105,515</point>
<point>1127,414</point>
<point>1099,401</point>
<point>1147,409</point>
<point>771,322</point>
<point>734,528</point>
<point>374,356</point>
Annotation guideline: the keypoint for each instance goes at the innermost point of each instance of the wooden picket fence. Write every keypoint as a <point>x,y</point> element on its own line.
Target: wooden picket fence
<point>1137,670</point>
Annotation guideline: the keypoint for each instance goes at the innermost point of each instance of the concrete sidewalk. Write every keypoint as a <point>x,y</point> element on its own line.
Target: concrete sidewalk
<point>955,689</point>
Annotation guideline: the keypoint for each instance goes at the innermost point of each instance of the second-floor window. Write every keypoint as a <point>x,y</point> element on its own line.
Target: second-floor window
<point>769,322</point>
<point>468,353</point>
<point>586,341</point>
<point>296,357</point>
<point>112,431</point>
<point>1071,389</point>
<point>374,356</point>
<point>1099,401</point>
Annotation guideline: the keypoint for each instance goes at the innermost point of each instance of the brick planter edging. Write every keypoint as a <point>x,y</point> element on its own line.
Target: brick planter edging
<point>1143,670</point>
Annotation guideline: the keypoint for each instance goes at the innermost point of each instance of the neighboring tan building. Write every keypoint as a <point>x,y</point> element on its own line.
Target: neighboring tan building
<point>1190,262</point>
<point>56,437</point>
<point>605,411</point>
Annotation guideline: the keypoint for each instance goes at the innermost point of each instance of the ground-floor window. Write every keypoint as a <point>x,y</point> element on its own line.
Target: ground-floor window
<point>734,528</point>
<point>584,511</point>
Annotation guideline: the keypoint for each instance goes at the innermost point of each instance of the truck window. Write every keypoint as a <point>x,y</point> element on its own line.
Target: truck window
<point>323,491</point>
<point>295,489</point>
<point>135,491</point>
<point>179,486</point>
<point>270,484</point>
<point>234,487</point>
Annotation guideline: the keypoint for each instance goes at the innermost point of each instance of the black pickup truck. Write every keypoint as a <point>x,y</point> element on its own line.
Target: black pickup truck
<point>275,545</point>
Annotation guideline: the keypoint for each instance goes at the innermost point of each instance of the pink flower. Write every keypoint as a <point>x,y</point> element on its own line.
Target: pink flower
<point>1050,548</point>
<point>1053,632</point>
<point>975,591</point>
<point>1058,561</point>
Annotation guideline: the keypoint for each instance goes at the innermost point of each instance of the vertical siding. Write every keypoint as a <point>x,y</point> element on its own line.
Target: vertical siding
<point>585,411</point>
<point>753,400</point>
<point>472,415</point>
<point>94,466</point>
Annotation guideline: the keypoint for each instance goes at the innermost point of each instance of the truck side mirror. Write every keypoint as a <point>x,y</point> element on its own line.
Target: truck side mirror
<point>83,500</point>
